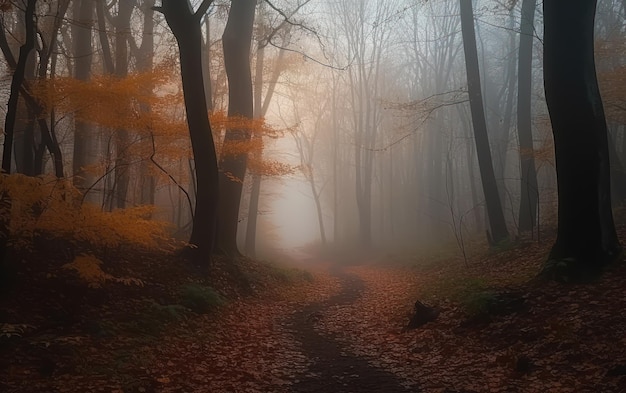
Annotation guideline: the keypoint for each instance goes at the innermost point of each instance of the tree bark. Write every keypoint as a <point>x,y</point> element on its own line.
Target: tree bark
<point>16,83</point>
<point>497,223</point>
<point>9,124</point>
<point>83,52</point>
<point>236,40</point>
<point>529,188</point>
<point>586,238</point>
<point>122,139</point>
<point>145,61</point>
<point>185,26</point>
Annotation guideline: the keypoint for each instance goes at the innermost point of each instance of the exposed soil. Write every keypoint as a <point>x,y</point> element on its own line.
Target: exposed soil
<point>334,368</point>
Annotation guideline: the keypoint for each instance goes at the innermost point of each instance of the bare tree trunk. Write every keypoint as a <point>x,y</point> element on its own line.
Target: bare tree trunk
<point>255,193</point>
<point>9,124</point>
<point>586,239</point>
<point>122,140</point>
<point>236,40</point>
<point>260,109</point>
<point>19,75</point>
<point>145,61</point>
<point>529,192</point>
<point>83,11</point>
<point>495,214</point>
<point>185,25</point>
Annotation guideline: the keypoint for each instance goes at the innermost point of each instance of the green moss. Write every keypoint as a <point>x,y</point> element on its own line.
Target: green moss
<point>200,299</point>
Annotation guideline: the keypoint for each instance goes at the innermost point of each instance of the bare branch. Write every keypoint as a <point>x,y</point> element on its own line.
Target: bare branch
<point>202,9</point>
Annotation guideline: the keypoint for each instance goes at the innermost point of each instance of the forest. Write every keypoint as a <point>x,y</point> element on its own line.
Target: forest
<point>313,196</point>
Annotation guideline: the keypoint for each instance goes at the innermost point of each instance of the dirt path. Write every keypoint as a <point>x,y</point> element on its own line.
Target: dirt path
<point>334,369</point>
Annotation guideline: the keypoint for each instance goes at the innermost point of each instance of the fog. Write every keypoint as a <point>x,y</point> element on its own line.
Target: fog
<point>376,93</point>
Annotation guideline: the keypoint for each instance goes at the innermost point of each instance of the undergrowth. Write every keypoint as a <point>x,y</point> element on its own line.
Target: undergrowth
<point>51,208</point>
<point>200,299</point>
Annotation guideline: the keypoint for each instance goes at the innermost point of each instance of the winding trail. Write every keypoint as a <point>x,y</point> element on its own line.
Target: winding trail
<point>334,368</point>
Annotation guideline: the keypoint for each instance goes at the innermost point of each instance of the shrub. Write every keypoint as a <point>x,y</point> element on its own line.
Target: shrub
<point>200,299</point>
<point>53,208</point>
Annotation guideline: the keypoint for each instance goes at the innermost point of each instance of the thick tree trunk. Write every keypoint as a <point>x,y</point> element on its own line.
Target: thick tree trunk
<point>185,26</point>
<point>236,40</point>
<point>495,214</point>
<point>529,192</point>
<point>586,239</point>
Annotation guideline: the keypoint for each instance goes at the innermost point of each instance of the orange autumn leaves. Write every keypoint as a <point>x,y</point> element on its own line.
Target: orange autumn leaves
<point>151,106</point>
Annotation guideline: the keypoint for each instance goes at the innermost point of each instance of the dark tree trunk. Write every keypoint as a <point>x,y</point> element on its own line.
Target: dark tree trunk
<point>586,238</point>
<point>16,84</point>
<point>145,61</point>
<point>529,188</point>
<point>495,214</point>
<point>83,52</point>
<point>185,26</point>
<point>236,40</point>
<point>618,175</point>
<point>122,141</point>
<point>9,124</point>
<point>25,127</point>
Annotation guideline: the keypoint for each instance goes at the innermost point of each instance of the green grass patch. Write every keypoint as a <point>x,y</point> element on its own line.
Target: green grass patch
<point>289,275</point>
<point>200,299</point>
<point>473,294</point>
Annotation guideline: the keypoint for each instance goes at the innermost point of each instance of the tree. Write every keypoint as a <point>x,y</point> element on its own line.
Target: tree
<point>236,41</point>
<point>185,25</point>
<point>9,124</point>
<point>83,11</point>
<point>144,53</point>
<point>529,189</point>
<point>31,148</point>
<point>586,238</point>
<point>365,25</point>
<point>495,214</point>
<point>16,84</point>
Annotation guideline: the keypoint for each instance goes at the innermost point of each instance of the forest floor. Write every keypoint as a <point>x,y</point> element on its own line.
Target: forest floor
<point>319,328</point>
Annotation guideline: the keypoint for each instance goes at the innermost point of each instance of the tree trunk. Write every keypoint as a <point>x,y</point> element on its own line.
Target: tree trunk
<point>529,192</point>
<point>185,26</point>
<point>497,223</point>
<point>83,52</point>
<point>261,106</point>
<point>9,124</point>
<point>255,192</point>
<point>236,40</point>
<point>145,61</point>
<point>586,238</point>
<point>16,84</point>
<point>122,139</point>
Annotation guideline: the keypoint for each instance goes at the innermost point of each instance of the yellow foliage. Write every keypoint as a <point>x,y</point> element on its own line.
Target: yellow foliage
<point>50,206</point>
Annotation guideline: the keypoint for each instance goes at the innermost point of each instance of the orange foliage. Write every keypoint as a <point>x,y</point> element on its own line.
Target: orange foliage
<point>52,207</point>
<point>162,130</point>
<point>88,269</point>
